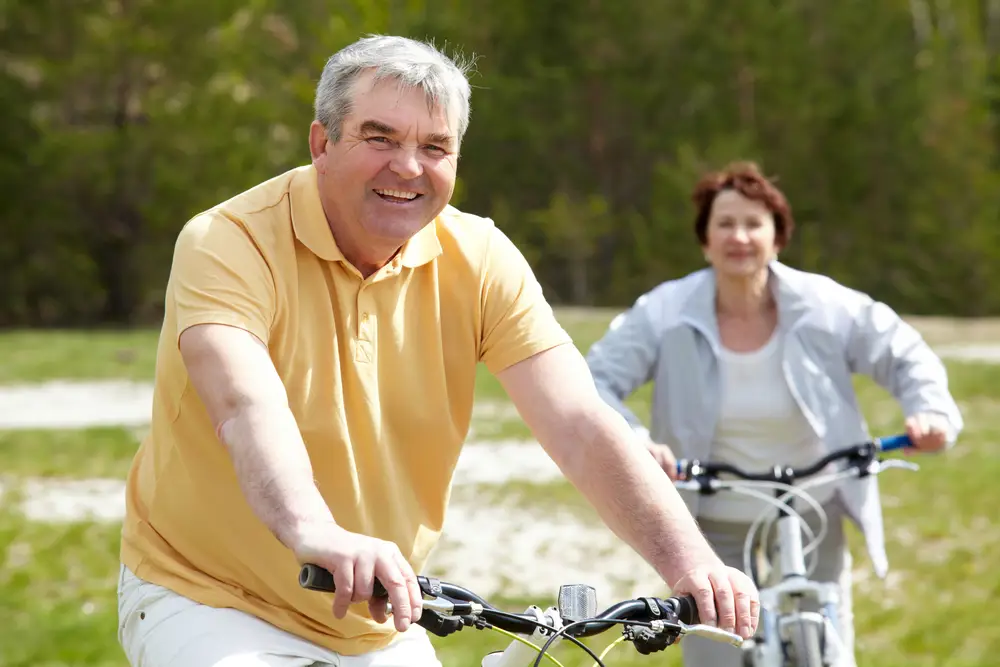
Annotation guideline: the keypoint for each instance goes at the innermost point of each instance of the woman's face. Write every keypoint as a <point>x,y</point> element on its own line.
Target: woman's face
<point>740,235</point>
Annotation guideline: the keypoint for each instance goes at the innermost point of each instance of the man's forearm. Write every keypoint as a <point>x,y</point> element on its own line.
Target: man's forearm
<point>274,470</point>
<point>632,494</point>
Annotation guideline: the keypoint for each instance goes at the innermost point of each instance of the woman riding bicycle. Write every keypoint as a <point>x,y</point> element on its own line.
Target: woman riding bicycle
<point>751,363</point>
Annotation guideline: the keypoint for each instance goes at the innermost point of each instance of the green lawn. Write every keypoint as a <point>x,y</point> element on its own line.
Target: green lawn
<point>36,356</point>
<point>938,608</point>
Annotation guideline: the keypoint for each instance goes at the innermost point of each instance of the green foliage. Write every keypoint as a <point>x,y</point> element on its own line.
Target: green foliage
<point>591,122</point>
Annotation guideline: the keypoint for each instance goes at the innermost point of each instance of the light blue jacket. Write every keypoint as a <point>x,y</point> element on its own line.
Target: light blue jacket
<point>670,337</point>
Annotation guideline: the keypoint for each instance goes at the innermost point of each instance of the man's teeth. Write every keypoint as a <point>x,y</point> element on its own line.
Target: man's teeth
<point>397,193</point>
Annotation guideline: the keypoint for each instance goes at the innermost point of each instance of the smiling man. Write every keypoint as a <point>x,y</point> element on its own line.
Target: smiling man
<point>314,387</point>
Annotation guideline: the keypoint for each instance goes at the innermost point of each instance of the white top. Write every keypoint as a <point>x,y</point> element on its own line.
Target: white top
<point>760,425</point>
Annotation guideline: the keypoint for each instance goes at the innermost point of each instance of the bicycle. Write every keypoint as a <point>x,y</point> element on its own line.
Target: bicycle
<point>651,624</point>
<point>787,635</point>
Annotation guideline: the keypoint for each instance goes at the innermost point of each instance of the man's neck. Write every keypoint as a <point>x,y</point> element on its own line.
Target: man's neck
<point>366,255</point>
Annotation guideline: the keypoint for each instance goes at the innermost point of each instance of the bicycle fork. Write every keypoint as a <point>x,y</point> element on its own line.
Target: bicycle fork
<point>780,604</point>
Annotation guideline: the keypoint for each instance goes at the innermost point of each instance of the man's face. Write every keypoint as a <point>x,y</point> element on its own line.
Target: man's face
<point>393,169</point>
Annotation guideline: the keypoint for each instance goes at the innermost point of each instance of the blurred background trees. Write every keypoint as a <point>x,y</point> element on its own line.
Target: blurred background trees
<point>591,121</point>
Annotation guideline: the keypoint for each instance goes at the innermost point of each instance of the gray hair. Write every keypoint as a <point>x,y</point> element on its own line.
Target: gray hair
<point>411,63</point>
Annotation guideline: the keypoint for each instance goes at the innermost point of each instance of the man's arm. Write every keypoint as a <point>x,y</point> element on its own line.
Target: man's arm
<point>245,399</point>
<point>598,452</point>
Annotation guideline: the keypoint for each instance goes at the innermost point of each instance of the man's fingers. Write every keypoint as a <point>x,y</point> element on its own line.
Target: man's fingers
<point>388,572</point>
<point>746,621</point>
<point>724,599</point>
<point>343,579</point>
<point>413,586</point>
<point>364,577</point>
<point>698,585</point>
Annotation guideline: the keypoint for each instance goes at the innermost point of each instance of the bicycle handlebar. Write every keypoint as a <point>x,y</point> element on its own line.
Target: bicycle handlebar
<point>460,601</point>
<point>862,453</point>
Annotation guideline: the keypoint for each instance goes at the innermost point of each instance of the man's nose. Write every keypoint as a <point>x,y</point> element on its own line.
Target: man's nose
<point>406,164</point>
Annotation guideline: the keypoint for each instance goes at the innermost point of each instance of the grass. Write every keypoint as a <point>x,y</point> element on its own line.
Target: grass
<point>937,608</point>
<point>57,593</point>
<point>95,452</point>
<point>38,356</point>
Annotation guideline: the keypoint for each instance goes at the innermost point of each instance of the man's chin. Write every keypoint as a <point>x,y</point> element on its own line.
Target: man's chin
<point>397,227</point>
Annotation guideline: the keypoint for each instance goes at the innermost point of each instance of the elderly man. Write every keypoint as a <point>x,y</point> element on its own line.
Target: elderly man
<point>314,386</point>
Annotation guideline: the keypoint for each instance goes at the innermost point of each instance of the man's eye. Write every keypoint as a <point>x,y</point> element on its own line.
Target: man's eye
<point>382,141</point>
<point>435,150</point>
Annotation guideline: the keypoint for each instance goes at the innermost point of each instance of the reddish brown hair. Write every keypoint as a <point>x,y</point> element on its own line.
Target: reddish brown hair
<point>747,179</point>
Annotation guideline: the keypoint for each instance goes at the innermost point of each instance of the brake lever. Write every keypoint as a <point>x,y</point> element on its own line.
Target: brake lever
<point>897,463</point>
<point>709,632</point>
<point>445,607</point>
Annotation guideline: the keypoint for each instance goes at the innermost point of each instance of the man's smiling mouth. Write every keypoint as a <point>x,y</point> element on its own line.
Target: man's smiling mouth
<point>397,196</point>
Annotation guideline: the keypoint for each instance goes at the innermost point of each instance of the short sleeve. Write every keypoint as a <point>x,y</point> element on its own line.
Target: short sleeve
<point>517,321</point>
<point>219,276</point>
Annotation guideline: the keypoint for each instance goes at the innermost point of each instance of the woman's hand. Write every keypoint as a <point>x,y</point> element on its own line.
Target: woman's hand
<point>664,456</point>
<point>928,431</point>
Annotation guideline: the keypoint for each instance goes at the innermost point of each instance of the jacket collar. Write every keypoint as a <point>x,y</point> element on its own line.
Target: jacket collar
<point>698,308</point>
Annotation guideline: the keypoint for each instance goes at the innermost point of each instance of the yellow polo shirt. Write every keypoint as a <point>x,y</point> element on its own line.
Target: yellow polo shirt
<point>380,375</point>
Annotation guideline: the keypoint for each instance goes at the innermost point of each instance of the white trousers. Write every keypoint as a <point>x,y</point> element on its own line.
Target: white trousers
<point>159,628</point>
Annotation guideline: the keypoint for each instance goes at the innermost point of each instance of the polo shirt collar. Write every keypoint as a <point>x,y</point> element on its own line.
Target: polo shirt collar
<point>313,230</point>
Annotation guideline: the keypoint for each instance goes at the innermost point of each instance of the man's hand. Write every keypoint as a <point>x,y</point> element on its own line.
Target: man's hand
<point>928,431</point>
<point>355,562</point>
<point>726,598</point>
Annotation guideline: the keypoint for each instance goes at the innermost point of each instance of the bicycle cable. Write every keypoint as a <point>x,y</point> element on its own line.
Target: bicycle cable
<point>765,518</point>
<point>524,641</point>
<point>799,491</point>
<point>539,624</point>
<point>607,649</point>
<point>562,632</point>
<point>543,626</point>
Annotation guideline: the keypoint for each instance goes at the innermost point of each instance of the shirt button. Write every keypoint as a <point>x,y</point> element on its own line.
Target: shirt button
<point>364,317</point>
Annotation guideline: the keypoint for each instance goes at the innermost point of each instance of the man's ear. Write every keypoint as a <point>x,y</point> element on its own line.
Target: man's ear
<point>318,141</point>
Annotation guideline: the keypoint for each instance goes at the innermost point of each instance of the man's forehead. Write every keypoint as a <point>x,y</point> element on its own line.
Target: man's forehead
<point>398,106</point>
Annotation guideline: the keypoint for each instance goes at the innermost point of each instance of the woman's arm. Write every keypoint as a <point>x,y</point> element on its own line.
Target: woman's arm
<point>894,354</point>
<point>623,360</point>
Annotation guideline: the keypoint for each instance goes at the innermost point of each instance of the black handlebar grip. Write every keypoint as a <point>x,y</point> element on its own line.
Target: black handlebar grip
<point>687,609</point>
<point>316,578</point>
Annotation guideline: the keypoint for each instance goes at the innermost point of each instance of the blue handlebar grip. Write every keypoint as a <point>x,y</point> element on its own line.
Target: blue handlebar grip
<point>891,442</point>
<point>681,464</point>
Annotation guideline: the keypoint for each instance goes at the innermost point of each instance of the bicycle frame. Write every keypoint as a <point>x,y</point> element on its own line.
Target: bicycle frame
<point>781,600</point>
<point>785,596</point>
